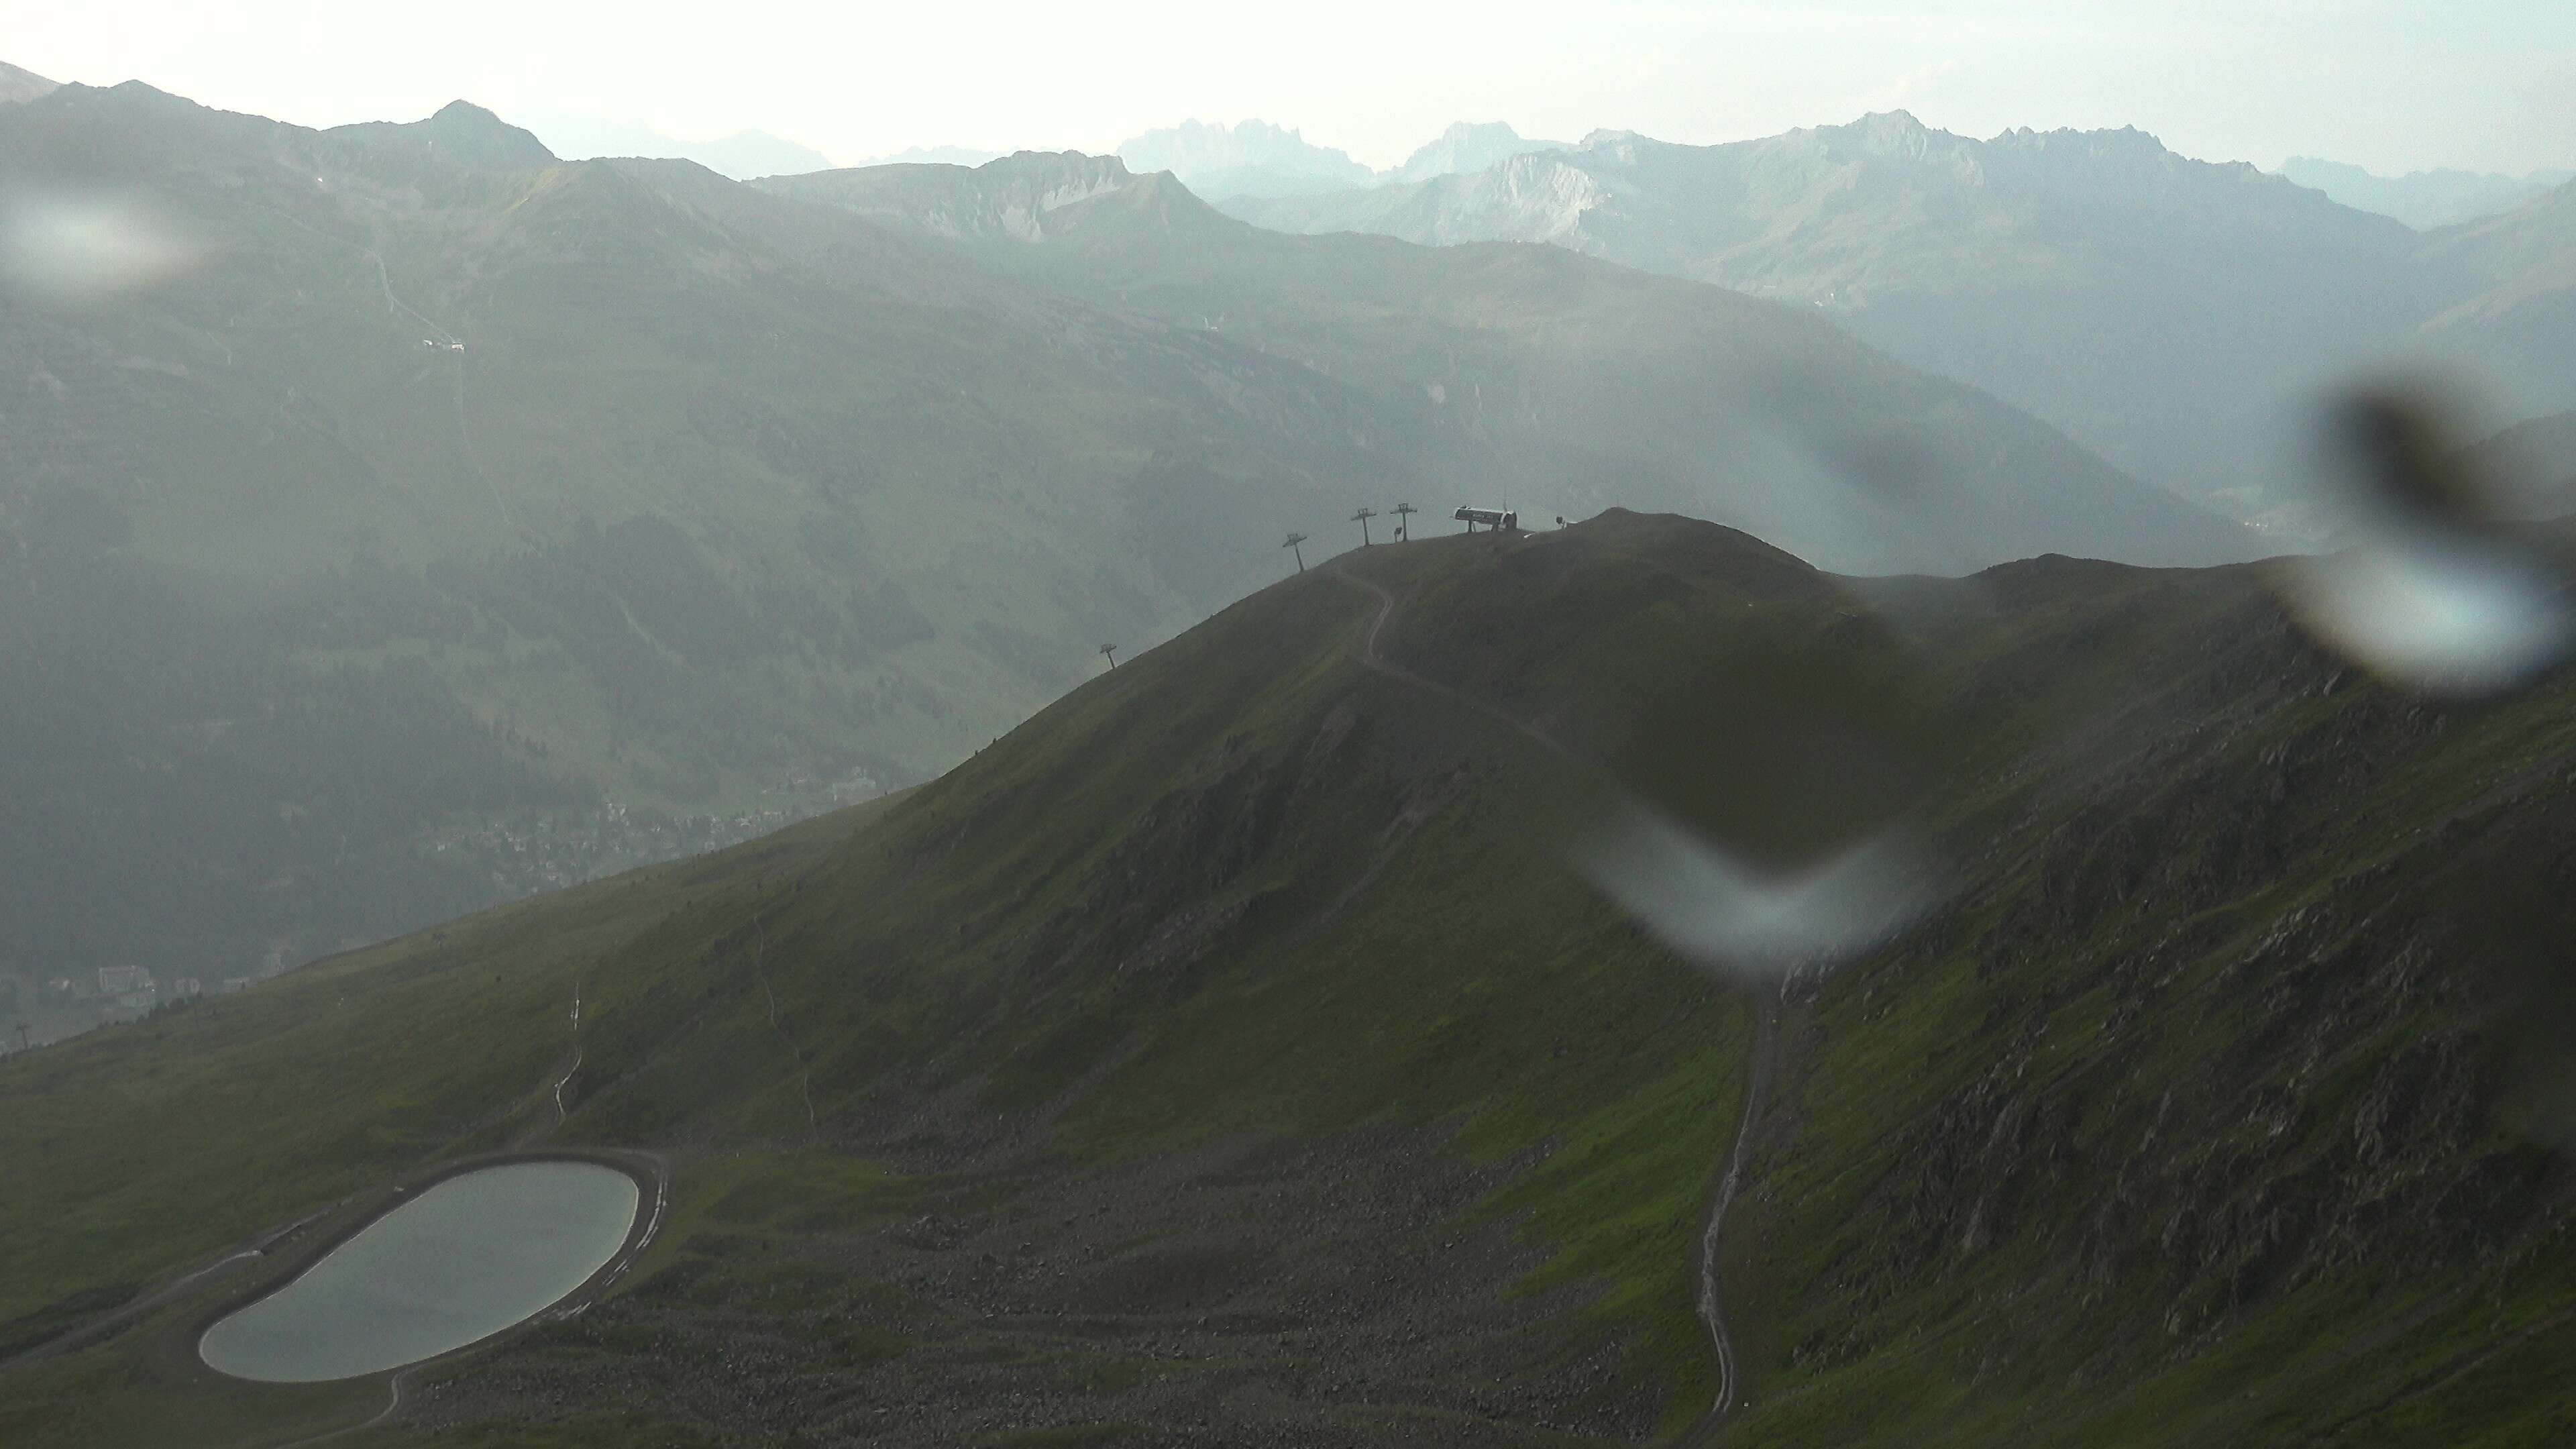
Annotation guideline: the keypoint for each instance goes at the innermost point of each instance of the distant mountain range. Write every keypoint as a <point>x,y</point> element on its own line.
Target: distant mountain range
<point>1250,158</point>
<point>1573,384</point>
<point>2180,317</point>
<point>930,156</point>
<point>2424,200</point>
<point>1258,159</point>
<point>742,155</point>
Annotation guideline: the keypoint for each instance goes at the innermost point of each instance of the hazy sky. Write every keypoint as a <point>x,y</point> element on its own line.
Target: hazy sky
<point>2486,84</point>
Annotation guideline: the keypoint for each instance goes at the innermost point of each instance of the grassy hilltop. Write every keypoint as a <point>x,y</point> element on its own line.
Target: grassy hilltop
<point>1230,1046</point>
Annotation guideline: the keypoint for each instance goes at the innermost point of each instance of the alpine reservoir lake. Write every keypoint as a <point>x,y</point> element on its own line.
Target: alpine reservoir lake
<point>461,1261</point>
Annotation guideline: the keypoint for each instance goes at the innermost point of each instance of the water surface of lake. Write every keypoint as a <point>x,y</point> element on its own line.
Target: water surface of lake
<point>458,1262</point>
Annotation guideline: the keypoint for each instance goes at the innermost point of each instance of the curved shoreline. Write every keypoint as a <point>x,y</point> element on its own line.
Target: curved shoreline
<point>650,1173</point>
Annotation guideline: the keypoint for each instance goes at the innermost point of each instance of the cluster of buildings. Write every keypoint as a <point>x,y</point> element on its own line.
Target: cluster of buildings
<point>523,856</point>
<point>42,1009</point>
<point>127,992</point>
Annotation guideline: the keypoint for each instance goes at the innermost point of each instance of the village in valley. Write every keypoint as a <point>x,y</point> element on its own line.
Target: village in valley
<point>521,855</point>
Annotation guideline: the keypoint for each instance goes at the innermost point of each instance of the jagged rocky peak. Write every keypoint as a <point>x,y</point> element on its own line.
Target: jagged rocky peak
<point>1249,158</point>
<point>1469,146</point>
<point>1898,135</point>
<point>2123,165</point>
<point>2127,141</point>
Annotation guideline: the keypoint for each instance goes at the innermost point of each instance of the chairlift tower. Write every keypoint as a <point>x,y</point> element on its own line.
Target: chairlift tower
<point>1404,522</point>
<point>1295,539</point>
<point>1361,518</point>
<point>1110,653</point>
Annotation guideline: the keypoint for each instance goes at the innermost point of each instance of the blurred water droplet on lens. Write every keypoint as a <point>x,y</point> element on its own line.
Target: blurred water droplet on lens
<point>73,249</point>
<point>2435,592</point>
<point>2430,614</point>
<point>1767,804</point>
<point>1754,924</point>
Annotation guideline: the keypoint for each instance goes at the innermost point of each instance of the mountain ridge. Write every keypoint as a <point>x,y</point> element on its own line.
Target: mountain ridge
<point>2010,264</point>
<point>2142,301</point>
<point>1247,158</point>
<point>2424,200</point>
<point>1559,338</point>
<point>21,85</point>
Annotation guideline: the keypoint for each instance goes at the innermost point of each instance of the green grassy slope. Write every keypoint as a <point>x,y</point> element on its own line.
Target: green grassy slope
<point>2196,1111</point>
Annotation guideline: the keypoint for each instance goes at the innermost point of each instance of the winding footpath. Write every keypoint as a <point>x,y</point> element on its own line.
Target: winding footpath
<point>565,1080</point>
<point>1761,1067</point>
<point>1759,1070</point>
